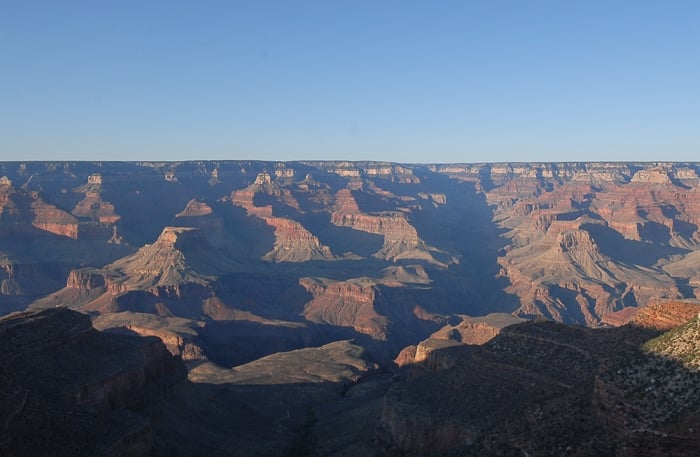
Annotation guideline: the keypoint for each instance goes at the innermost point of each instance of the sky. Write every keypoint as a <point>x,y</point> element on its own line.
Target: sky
<point>403,81</point>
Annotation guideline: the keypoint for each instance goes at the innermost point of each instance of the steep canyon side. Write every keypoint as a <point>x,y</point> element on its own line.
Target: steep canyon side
<point>307,296</point>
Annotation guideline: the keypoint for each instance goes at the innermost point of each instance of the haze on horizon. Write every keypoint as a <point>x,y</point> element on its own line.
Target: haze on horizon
<point>404,81</point>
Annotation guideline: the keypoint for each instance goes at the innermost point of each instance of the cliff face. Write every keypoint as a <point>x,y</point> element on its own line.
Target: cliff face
<point>92,207</point>
<point>179,335</point>
<point>19,207</point>
<point>63,379</point>
<point>345,304</point>
<point>401,240</point>
<point>292,241</point>
<point>469,330</point>
<point>91,218</point>
<point>53,220</point>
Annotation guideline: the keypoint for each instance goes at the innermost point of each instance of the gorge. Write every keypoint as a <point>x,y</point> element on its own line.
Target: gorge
<point>359,308</point>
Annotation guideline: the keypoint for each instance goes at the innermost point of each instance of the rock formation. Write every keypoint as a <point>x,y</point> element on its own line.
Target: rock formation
<point>179,267</point>
<point>63,380</point>
<point>293,242</point>
<point>401,240</point>
<point>345,304</point>
<point>508,396</point>
<point>470,330</point>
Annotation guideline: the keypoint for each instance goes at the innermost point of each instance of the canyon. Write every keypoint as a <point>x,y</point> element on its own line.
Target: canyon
<point>416,307</point>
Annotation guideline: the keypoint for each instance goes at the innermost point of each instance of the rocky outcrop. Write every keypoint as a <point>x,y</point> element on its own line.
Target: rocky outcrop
<point>92,207</point>
<point>506,397</point>
<point>180,255</point>
<point>654,175</point>
<point>195,208</point>
<point>64,379</point>
<point>85,280</point>
<point>91,217</point>
<point>292,241</point>
<point>179,335</point>
<point>565,272</point>
<point>52,219</point>
<point>345,304</point>
<point>199,214</point>
<point>666,315</point>
<point>176,271</point>
<point>19,207</point>
<point>470,330</point>
<point>640,215</point>
<point>340,362</point>
<point>476,330</point>
<point>401,240</point>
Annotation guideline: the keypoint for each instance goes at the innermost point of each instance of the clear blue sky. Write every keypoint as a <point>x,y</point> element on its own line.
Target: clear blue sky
<point>407,81</point>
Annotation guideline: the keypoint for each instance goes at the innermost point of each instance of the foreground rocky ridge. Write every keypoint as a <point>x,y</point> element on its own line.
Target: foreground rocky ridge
<point>536,388</point>
<point>69,390</point>
<point>543,389</point>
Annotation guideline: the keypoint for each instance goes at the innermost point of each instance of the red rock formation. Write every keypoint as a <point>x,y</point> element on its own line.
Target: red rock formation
<point>92,207</point>
<point>19,207</point>
<point>293,242</point>
<point>195,208</point>
<point>666,315</point>
<point>176,271</point>
<point>179,335</point>
<point>345,203</point>
<point>85,279</point>
<point>574,241</point>
<point>566,270</point>
<point>471,330</point>
<point>263,185</point>
<point>345,304</point>
<point>401,240</point>
<point>48,217</point>
<point>476,330</point>
<point>641,203</point>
